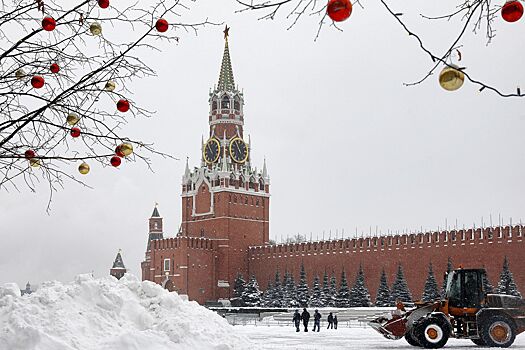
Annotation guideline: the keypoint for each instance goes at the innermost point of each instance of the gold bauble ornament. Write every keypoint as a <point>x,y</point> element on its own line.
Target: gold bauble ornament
<point>451,78</point>
<point>83,168</point>
<point>72,118</point>
<point>20,73</point>
<point>110,86</point>
<point>126,149</point>
<point>34,162</point>
<point>95,28</point>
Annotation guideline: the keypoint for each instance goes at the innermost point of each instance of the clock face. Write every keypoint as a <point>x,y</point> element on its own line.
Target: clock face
<point>211,151</point>
<point>238,150</point>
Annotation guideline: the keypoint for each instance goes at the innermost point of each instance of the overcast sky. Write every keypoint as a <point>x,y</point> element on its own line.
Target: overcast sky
<point>347,145</point>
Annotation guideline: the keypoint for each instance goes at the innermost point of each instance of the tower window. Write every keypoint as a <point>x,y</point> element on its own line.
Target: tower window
<point>166,264</point>
<point>225,102</point>
<point>236,103</point>
<point>261,185</point>
<point>156,225</point>
<point>214,105</point>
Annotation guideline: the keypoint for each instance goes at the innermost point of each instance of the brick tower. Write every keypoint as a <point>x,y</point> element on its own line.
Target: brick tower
<point>118,270</point>
<point>225,205</point>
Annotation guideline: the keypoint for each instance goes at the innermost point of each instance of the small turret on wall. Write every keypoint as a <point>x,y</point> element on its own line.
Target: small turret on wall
<point>118,270</point>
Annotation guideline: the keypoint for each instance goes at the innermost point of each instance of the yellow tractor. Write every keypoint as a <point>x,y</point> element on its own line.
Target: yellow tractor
<point>466,312</point>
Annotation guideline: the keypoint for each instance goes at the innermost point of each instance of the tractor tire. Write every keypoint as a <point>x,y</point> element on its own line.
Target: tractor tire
<point>432,332</point>
<point>479,342</point>
<point>409,337</point>
<point>498,331</point>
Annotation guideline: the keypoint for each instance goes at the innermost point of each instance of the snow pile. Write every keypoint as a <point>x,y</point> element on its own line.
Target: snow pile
<point>109,314</point>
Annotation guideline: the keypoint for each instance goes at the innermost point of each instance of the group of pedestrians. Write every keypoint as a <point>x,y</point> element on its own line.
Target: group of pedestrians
<point>305,317</point>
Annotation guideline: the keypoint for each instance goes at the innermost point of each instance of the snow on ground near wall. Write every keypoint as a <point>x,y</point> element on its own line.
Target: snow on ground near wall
<point>106,314</point>
<point>343,338</point>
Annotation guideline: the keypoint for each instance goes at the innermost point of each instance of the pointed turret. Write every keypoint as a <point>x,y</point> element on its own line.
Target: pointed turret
<point>226,81</point>
<point>264,171</point>
<point>118,270</point>
<point>155,226</point>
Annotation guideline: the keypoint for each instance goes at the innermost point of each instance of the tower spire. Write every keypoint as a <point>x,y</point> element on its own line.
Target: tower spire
<point>226,81</point>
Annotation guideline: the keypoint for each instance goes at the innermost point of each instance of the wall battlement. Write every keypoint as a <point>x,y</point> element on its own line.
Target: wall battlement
<point>184,241</point>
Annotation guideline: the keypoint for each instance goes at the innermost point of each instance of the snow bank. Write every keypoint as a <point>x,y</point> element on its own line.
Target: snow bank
<point>108,314</point>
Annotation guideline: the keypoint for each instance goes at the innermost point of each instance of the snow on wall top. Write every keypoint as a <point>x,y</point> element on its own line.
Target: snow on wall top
<point>107,313</point>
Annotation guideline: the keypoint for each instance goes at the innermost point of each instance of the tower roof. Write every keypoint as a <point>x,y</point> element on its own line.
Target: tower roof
<point>155,212</point>
<point>118,263</point>
<point>226,81</point>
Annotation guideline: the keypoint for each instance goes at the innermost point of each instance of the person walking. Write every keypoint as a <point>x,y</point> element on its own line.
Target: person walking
<point>335,321</point>
<point>317,320</point>
<point>330,321</point>
<point>305,316</point>
<point>297,320</point>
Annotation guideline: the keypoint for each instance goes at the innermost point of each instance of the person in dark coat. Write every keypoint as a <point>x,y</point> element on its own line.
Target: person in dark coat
<point>330,321</point>
<point>335,321</point>
<point>297,320</point>
<point>305,316</point>
<point>317,320</point>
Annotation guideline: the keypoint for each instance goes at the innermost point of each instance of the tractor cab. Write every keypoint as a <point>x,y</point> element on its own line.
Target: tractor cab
<point>464,291</point>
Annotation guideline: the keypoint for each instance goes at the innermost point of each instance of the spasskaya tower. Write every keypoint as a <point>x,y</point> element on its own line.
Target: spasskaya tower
<point>225,203</point>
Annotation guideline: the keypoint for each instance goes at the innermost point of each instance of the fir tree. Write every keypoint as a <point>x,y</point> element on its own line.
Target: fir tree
<point>359,295</point>
<point>383,292</point>
<point>431,291</point>
<point>343,296</point>
<point>400,289</point>
<point>251,295</point>
<point>487,286</point>
<point>238,288</point>
<point>315,299</point>
<point>326,294</point>
<point>506,283</point>
<point>333,291</point>
<point>268,295</point>
<point>292,292</point>
<point>450,267</point>
<point>277,292</point>
<point>302,289</point>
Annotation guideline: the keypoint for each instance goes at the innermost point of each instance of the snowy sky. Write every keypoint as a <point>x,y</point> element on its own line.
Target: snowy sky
<point>347,145</point>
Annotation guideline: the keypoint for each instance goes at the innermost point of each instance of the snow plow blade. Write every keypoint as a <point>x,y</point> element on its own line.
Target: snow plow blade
<point>394,328</point>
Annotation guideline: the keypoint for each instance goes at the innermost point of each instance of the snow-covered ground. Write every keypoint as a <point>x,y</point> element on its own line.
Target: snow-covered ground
<point>106,314</point>
<point>342,338</point>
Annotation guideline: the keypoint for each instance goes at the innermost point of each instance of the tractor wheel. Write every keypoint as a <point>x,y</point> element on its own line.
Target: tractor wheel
<point>479,342</point>
<point>498,331</point>
<point>432,332</point>
<point>409,337</point>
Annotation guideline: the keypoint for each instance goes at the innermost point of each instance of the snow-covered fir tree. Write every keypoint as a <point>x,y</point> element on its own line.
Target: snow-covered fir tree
<point>359,295</point>
<point>267,297</point>
<point>333,290</point>
<point>277,292</point>
<point>343,296</point>
<point>383,292</point>
<point>302,289</point>
<point>506,283</point>
<point>431,291</point>
<point>251,295</point>
<point>326,296</point>
<point>487,286</point>
<point>315,299</point>
<point>450,267</point>
<point>291,292</point>
<point>238,288</point>
<point>399,290</point>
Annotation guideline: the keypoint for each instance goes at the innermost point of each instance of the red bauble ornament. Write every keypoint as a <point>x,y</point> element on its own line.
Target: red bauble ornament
<point>48,23</point>
<point>29,154</point>
<point>512,11</point>
<point>54,68</point>
<point>103,3</point>
<point>37,81</point>
<point>123,105</point>
<point>339,10</point>
<point>75,132</point>
<point>115,161</point>
<point>119,153</point>
<point>162,25</point>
